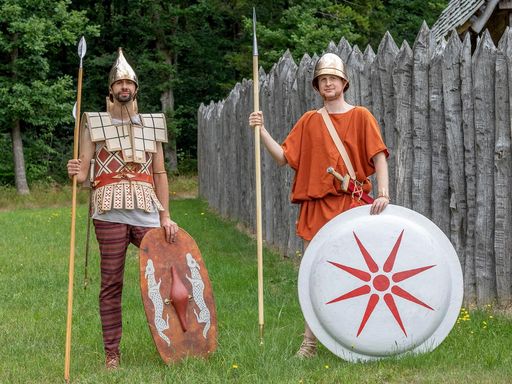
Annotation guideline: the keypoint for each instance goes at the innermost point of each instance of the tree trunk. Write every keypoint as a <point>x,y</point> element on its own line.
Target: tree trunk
<point>20,177</point>
<point>19,161</point>
<point>167,101</point>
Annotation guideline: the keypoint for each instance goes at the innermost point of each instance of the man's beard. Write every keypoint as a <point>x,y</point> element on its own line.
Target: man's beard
<point>123,98</point>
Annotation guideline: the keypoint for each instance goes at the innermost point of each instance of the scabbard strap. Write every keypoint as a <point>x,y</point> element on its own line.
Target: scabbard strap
<point>337,141</point>
<point>351,187</point>
<point>355,188</point>
<point>116,177</point>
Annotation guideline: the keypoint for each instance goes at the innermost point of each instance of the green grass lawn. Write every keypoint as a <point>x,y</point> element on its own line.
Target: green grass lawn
<point>34,251</point>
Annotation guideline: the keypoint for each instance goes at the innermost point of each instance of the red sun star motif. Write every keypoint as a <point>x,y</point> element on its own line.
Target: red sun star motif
<point>378,281</point>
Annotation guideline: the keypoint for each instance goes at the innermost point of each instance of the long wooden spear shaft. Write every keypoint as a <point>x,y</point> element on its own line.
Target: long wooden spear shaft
<point>257,158</point>
<point>82,48</point>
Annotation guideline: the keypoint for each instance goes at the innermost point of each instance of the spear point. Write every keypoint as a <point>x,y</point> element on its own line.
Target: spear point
<point>82,48</point>
<point>254,41</point>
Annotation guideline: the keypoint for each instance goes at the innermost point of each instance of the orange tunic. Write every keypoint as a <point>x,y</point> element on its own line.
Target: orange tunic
<point>309,150</point>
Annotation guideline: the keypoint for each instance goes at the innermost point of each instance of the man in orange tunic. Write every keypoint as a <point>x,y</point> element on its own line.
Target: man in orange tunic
<point>310,150</point>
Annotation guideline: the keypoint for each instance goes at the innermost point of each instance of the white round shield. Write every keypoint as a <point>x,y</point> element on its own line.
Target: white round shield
<point>373,286</point>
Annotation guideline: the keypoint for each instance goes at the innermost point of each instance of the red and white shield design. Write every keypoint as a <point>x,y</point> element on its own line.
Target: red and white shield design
<point>372,286</point>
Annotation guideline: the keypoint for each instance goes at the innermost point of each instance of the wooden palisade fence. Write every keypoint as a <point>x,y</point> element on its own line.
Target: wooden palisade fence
<point>445,114</point>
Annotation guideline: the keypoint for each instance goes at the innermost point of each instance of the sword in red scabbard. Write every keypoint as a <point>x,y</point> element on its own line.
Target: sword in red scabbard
<point>349,186</point>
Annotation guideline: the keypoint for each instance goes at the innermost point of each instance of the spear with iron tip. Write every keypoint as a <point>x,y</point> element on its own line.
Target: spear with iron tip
<point>82,48</point>
<point>259,236</point>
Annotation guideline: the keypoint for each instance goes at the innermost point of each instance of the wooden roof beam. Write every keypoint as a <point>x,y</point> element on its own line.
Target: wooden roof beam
<point>480,22</point>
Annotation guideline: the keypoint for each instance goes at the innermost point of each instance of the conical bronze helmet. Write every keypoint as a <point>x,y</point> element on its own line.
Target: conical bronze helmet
<point>121,70</point>
<point>330,64</point>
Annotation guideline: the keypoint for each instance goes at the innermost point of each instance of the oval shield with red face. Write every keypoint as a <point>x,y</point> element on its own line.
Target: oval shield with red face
<point>177,296</point>
<point>372,286</point>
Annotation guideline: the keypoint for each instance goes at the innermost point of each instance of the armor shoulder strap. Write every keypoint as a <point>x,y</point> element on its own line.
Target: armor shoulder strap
<point>157,122</point>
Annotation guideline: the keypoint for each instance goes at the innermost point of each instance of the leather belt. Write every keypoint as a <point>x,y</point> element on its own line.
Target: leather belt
<point>116,177</point>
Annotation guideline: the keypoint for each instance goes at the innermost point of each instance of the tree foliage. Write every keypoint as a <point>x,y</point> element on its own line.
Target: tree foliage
<point>307,26</point>
<point>403,18</point>
<point>34,95</point>
<point>185,52</point>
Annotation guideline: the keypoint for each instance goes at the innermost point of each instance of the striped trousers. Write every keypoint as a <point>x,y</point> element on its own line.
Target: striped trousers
<point>113,240</point>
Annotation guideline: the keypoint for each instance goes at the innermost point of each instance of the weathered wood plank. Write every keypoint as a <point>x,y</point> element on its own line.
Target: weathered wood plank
<point>355,65</point>
<point>225,141</point>
<point>281,220</point>
<point>304,77</point>
<point>440,199</point>
<point>484,62</point>
<point>455,143</point>
<point>244,148</point>
<point>219,158</point>
<point>343,49</point>
<point>201,146</point>
<point>238,131</point>
<point>468,129</point>
<point>385,60</point>
<point>250,155</point>
<point>294,243</point>
<point>365,78</point>
<point>269,97</point>
<point>402,85</point>
<point>422,141</point>
<point>503,174</point>
<point>377,103</point>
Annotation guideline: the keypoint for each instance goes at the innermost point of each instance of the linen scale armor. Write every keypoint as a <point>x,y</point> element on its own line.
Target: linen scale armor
<point>124,154</point>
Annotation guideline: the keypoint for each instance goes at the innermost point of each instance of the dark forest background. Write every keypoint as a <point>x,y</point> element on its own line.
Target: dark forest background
<point>184,52</point>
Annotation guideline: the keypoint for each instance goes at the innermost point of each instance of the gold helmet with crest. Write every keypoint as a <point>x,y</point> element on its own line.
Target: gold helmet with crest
<point>121,70</point>
<point>330,64</point>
